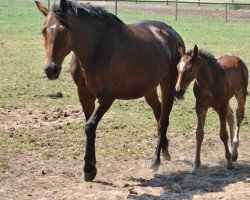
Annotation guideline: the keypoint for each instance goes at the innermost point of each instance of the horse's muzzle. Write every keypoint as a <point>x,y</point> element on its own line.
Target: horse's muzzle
<point>53,71</point>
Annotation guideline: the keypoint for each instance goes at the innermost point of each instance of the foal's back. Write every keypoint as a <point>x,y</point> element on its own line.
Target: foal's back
<point>236,74</point>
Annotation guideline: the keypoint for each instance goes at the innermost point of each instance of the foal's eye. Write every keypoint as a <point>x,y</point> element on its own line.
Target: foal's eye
<point>190,69</point>
<point>43,31</point>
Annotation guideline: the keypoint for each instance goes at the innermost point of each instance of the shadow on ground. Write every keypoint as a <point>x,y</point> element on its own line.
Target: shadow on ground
<point>183,185</point>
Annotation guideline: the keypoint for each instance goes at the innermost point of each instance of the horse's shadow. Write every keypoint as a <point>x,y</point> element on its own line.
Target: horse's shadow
<point>183,185</point>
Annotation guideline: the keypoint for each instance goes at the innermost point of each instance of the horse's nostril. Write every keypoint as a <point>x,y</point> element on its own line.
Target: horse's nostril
<point>55,70</point>
<point>52,72</point>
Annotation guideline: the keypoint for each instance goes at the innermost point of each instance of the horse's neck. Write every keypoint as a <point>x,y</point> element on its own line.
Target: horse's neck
<point>86,36</point>
<point>206,76</point>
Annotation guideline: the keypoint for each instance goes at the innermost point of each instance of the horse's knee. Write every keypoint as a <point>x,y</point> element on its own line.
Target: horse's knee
<point>89,128</point>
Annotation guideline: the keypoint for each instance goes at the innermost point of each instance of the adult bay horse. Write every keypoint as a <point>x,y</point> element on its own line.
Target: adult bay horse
<point>216,82</point>
<point>111,61</point>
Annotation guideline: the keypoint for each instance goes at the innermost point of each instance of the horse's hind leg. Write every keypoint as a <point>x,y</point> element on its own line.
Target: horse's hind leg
<point>154,103</point>
<point>230,121</point>
<point>224,135</point>
<point>201,117</point>
<point>241,98</point>
<point>167,91</point>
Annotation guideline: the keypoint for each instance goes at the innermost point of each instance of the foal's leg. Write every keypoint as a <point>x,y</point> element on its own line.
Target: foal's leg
<point>224,135</point>
<point>230,121</point>
<point>241,98</point>
<point>90,131</point>
<point>201,117</point>
<point>167,91</point>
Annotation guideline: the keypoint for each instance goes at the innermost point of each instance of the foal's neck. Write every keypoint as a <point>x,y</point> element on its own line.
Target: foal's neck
<point>206,75</point>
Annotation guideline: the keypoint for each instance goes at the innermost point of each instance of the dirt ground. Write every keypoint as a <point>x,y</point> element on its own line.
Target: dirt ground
<point>30,176</point>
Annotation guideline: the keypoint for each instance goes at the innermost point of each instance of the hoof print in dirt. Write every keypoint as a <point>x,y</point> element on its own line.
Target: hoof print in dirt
<point>55,95</point>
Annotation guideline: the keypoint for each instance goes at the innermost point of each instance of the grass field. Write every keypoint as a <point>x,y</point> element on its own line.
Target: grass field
<point>24,85</point>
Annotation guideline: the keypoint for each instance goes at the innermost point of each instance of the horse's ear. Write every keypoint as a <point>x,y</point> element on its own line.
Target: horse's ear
<point>181,50</point>
<point>42,8</point>
<point>64,5</point>
<point>194,53</point>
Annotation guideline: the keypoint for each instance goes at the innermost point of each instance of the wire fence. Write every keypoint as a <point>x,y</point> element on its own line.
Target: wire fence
<point>178,4</point>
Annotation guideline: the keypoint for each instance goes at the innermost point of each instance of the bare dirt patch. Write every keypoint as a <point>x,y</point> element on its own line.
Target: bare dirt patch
<point>31,176</point>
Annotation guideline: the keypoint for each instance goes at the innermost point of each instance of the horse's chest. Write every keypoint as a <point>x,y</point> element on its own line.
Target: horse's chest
<point>204,95</point>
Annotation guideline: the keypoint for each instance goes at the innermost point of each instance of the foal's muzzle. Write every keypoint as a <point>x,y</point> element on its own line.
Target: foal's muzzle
<point>53,71</point>
<point>179,93</point>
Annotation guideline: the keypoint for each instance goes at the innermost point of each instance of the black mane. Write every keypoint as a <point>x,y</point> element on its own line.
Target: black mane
<point>85,9</point>
<point>210,59</point>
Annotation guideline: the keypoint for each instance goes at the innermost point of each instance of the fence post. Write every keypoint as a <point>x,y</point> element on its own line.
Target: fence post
<point>226,11</point>
<point>115,7</point>
<point>199,2</point>
<point>175,10</point>
<point>135,1</point>
<point>48,4</point>
<point>167,2</point>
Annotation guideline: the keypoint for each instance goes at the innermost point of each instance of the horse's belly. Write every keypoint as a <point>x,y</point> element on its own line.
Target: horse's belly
<point>136,91</point>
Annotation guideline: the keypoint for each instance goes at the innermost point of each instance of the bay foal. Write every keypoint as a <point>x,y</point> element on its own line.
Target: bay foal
<point>216,82</point>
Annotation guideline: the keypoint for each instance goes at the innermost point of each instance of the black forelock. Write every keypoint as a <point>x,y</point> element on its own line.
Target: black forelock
<point>60,15</point>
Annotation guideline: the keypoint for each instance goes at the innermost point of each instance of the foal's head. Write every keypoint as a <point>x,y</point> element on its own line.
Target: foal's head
<point>187,70</point>
<point>57,38</point>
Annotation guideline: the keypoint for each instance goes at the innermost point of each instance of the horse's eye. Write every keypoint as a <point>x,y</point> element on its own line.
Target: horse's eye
<point>190,69</point>
<point>44,32</point>
<point>64,31</point>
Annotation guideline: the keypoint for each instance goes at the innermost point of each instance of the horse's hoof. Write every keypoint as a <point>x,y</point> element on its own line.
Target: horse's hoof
<point>155,166</point>
<point>91,175</point>
<point>193,171</point>
<point>230,166</point>
<point>167,156</point>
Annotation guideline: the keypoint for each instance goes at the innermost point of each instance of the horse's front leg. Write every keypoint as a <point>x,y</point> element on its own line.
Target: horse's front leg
<point>90,131</point>
<point>201,117</point>
<point>167,91</point>
<point>224,135</point>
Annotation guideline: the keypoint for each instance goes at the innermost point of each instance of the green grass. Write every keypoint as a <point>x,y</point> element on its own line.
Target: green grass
<point>129,128</point>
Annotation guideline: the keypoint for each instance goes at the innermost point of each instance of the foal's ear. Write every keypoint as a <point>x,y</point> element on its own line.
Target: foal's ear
<point>181,51</point>
<point>64,5</point>
<point>42,8</point>
<point>194,53</point>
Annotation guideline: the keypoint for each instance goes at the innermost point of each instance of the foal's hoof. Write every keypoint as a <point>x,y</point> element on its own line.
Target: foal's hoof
<point>166,156</point>
<point>91,175</point>
<point>230,166</point>
<point>234,158</point>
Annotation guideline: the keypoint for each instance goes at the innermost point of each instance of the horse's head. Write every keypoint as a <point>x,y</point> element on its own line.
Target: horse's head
<point>57,38</point>
<point>187,70</point>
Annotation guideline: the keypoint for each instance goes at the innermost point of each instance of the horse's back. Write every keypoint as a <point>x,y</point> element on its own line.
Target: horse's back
<point>236,71</point>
